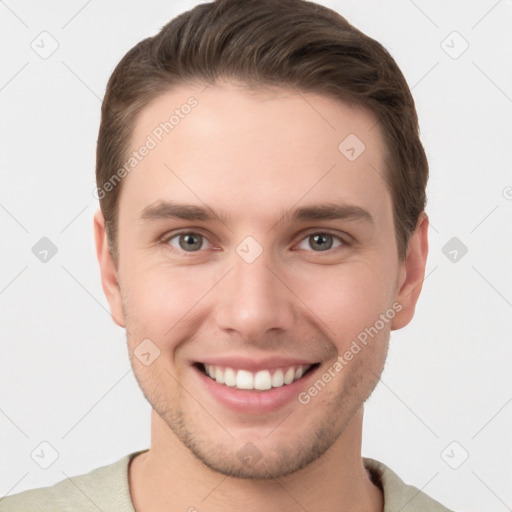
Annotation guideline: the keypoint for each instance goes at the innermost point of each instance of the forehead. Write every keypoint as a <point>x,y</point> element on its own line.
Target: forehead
<point>253,152</point>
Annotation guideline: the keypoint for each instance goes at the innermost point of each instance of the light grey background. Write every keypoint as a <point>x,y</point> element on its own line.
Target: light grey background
<point>65,373</point>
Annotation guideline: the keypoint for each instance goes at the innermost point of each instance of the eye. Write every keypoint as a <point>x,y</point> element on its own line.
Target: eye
<point>321,241</point>
<point>188,241</point>
<point>191,241</point>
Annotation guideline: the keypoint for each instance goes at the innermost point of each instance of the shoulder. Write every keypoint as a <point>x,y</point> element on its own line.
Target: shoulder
<point>397,494</point>
<point>104,488</point>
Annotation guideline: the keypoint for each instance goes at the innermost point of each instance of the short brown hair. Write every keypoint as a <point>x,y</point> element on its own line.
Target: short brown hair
<point>294,43</point>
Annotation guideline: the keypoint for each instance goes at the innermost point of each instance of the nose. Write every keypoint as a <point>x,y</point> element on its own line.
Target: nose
<point>254,300</point>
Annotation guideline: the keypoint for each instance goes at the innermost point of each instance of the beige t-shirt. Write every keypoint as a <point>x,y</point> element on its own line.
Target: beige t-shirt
<point>106,489</point>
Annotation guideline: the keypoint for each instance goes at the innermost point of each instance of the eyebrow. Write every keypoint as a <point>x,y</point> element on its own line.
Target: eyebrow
<point>164,210</point>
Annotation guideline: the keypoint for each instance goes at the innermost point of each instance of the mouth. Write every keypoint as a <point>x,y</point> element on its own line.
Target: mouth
<point>259,381</point>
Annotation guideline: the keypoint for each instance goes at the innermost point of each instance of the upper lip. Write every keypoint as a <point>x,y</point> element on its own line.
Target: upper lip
<point>254,365</point>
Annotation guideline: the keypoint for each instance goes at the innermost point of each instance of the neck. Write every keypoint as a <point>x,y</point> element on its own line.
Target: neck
<point>169,476</point>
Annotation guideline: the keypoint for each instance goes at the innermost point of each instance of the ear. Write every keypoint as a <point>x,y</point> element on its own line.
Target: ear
<point>109,279</point>
<point>412,273</point>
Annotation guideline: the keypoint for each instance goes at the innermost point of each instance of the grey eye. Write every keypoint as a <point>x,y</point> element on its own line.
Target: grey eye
<point>320,241</point>
<point>189,242</point>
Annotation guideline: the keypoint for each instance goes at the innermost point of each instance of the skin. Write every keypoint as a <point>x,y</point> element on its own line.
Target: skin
<point>254,155</point>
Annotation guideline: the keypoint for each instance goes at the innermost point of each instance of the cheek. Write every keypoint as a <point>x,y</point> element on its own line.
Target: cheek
<point>161,300</point>
<point>347,299</point>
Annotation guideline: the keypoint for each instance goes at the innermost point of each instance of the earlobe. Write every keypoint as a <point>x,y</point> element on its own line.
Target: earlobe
<point>412,274</point>
<point>109,278</point>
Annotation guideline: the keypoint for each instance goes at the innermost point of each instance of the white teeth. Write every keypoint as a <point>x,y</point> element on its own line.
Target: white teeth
<point>278,379</point>
<point>289,376</point>
<point>219,375</point>
<point>229,377</point>
<point>261,380</point>
<point>244,380</point>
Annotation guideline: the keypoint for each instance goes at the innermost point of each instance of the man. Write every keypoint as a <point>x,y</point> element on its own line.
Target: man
<point>262,230</point>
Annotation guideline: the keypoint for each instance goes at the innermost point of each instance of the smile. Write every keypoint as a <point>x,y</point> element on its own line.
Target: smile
<point>261,380</point>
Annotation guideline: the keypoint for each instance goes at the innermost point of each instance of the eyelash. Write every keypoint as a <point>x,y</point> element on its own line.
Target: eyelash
<point>344,242</point>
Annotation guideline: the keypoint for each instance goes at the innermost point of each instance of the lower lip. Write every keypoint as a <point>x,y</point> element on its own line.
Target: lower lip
<point>255,401</point>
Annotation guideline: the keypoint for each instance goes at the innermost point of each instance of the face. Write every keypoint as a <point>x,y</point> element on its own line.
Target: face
<point>251,238</point>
